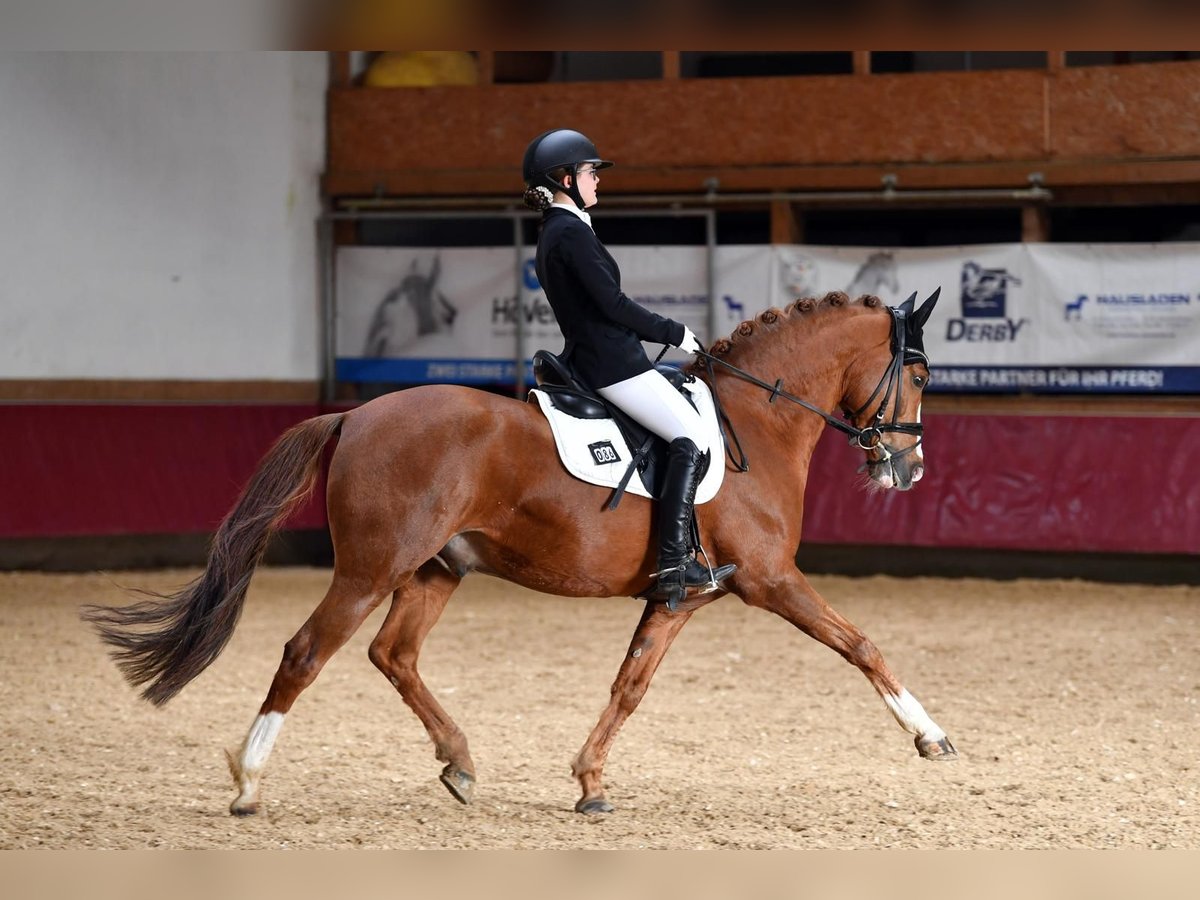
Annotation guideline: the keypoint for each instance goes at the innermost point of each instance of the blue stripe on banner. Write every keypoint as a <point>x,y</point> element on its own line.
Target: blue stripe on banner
<point>946,379</point>
<point>1065,379</point>
<point>427,371</point>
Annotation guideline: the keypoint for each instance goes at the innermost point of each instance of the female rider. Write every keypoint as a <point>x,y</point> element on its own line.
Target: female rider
<point>604,330</point>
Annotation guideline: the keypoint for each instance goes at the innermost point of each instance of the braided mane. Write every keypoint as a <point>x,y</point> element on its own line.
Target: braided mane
<point>751,332</point>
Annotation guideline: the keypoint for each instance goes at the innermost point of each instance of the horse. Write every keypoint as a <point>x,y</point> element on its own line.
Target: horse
<point>879,269</point>
<point>984,289</point>
<point>395,325</point>
<point>410,524</point>
<point>798,274</point>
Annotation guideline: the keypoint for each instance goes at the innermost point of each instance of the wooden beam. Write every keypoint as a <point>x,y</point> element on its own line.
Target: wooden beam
<point>1056,60</point>
<point>1035,224</point>
<point>862,62</point>
<point>670,64</point>
<point>786,226</point>
<point>487,66</point>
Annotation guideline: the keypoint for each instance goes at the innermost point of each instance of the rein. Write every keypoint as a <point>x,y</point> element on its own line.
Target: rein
<point>868,438</point>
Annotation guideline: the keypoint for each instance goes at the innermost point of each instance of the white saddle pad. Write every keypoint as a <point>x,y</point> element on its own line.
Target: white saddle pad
<point>595,451</point>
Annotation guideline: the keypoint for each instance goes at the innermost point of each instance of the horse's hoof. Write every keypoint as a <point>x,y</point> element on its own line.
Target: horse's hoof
<point>940,750</point>
<point>459,783</point>
<point>243,809</point>
<point>593,806</point>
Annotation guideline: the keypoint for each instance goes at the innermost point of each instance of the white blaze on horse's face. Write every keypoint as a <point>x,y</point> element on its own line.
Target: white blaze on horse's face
<point>920,451</point>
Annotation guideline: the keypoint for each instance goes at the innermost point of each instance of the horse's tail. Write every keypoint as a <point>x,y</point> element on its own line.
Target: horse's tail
<point>187,630</point>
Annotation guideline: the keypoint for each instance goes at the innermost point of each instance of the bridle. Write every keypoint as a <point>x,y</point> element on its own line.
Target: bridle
<point>892,379</point>
<point>868,438</point>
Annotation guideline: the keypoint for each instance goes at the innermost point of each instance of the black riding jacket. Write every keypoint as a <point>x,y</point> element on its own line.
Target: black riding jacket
<point>603,327</point>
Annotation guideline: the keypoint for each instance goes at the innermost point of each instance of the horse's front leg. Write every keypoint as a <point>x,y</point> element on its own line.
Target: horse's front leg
<point>651,640</point>
<point>797,601</point>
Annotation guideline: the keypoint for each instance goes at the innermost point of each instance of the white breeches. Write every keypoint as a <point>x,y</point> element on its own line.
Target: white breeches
<point>651,401</point>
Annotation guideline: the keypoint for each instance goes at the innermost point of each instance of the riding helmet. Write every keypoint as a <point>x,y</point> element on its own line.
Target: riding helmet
<point>559,148</point>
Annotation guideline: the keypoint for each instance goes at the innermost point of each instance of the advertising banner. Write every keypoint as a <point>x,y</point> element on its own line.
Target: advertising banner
<point>1120,317</point>
<point>1039,318</point>
<point>415,315</point>
<point>430,315</point>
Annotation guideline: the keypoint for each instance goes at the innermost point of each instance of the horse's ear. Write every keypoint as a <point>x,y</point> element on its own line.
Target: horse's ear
<point>907,306</point>
<point>921,316</point>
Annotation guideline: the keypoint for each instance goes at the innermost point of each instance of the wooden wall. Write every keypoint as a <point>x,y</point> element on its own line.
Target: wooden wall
<point>1120,125</point>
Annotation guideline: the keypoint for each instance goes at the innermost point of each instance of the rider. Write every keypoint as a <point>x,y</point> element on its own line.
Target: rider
<point>604,330</point>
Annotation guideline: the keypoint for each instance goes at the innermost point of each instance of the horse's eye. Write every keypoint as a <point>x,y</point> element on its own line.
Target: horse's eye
<point>919,380</point>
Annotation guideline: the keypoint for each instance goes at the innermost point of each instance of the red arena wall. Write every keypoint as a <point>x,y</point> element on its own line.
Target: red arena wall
<point>1113,484</point>
<point>85,470</point>
<point>1120,484</point>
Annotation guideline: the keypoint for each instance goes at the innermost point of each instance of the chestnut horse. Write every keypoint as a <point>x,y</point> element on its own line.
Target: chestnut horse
<point>410,524</point>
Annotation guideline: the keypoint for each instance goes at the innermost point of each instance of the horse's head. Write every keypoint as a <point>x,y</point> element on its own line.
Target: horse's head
<point>883,397</point>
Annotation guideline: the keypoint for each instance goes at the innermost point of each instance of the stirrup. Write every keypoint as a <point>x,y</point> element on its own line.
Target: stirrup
<point>720,573</point>
<point>672,591</point>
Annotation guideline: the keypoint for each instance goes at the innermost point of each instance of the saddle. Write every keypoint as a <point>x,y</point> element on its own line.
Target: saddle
<point>567,394</point>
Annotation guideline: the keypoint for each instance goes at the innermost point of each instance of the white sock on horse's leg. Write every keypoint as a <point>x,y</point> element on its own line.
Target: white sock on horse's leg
<point>912,716</point>
<point>253,756</point>
<point>260,741</point>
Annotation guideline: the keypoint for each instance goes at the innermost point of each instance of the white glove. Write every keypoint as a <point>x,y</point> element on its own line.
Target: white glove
<point>689,344</point>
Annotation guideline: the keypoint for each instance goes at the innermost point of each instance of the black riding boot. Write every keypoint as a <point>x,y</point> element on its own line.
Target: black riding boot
<point>678,570</point>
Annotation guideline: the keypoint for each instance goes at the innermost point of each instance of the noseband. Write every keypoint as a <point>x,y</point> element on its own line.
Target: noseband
<point>869,438</point>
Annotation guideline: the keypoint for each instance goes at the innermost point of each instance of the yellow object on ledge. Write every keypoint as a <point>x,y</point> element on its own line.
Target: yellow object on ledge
<point>422,68</point>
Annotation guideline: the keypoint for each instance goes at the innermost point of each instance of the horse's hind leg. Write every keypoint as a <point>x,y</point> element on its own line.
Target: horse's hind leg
<point>795,599</point>
<point>416,608</point>
<point>346,604</point>
<point>651,640</point>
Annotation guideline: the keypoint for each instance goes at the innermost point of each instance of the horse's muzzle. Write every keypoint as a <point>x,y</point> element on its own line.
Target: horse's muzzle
<point>896,472</point>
